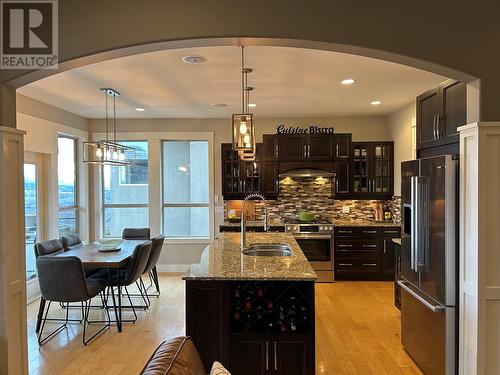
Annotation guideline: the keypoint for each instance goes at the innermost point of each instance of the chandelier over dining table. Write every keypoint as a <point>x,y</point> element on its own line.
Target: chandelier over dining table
<point>108,150</point>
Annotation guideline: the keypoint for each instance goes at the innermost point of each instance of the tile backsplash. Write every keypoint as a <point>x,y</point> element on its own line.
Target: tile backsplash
<point>314,195</point>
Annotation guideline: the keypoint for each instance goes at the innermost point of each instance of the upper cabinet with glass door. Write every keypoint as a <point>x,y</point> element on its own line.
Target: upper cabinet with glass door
<point>372,166</point>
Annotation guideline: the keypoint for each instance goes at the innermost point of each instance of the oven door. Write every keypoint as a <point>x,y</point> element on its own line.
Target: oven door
<point>318,250</point>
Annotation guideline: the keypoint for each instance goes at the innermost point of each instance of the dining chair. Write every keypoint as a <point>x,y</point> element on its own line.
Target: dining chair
<point>124,277</point>
<point>150,270</point>
<point>136,234</point>
<point>71,241</point>
<point>63,280</point>
<point>48,248</point>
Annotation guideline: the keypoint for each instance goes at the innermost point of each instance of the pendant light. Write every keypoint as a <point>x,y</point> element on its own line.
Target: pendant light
<point>108,150</point>
<point>242,123</point>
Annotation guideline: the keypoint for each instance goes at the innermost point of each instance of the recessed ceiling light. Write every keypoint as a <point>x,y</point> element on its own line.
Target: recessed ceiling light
<point>347,81</point>
<point>139,109</point>
<point>252,105</point>
<point>376,102</point>
<point>194,59</point>
<point>219,105</point>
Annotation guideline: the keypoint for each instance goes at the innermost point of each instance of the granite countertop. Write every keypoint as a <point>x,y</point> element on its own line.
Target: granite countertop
<point>364,223</point>
<point>397,241</point>
<point>254,223</point>
<point>223,260</point>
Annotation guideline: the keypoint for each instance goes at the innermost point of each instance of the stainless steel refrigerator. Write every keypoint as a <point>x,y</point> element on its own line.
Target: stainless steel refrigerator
<point>429,261</point>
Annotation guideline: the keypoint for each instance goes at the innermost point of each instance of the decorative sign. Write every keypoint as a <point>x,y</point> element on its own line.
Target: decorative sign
<point>313,129</point>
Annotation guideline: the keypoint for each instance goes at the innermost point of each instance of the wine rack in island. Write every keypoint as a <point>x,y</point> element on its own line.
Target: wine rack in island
<point>254,327</point>
<point>270,307</point>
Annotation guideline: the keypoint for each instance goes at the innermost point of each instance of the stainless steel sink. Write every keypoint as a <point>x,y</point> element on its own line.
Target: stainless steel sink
<point>268,249</point>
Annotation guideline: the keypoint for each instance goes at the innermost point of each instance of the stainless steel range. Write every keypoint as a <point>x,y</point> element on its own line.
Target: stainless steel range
<point>315,239</point>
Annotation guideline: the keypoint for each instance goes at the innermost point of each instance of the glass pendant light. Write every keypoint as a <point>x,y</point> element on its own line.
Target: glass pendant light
<point>242,123</point>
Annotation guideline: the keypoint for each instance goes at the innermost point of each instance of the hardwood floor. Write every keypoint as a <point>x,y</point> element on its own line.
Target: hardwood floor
<point>357,332</point>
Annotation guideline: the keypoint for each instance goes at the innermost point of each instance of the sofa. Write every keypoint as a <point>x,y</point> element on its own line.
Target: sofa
<point>175,357</point>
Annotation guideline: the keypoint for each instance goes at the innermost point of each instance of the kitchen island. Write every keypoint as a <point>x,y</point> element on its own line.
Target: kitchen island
<point>255,314</point>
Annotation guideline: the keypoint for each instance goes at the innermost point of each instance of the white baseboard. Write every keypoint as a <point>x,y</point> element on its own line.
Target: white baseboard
<point>172,267</point>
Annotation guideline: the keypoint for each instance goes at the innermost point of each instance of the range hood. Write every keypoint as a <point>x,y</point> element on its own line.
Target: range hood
<point>307,172</point>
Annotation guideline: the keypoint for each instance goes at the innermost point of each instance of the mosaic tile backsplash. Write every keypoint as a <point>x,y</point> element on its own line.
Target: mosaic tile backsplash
<point>314,195</point>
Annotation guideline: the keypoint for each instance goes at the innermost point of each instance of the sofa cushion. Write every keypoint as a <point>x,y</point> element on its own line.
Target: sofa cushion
<point>177,356</point>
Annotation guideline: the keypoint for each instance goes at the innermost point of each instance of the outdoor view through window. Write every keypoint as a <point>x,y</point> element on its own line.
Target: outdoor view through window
<point>67,183</point>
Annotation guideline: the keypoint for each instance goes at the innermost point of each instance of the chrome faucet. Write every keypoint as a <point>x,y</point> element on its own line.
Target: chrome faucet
<point>244,218</point>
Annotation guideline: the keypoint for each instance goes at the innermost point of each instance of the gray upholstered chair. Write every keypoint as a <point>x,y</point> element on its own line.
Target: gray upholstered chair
<point>50,247</point>
<point>156,247</point>
<point>62,280</point>
<point>71,241</point>
<point>136,234</point>
<point>128,275</point>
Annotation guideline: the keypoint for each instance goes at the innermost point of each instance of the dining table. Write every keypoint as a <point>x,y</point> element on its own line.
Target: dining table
<point>92,258</point>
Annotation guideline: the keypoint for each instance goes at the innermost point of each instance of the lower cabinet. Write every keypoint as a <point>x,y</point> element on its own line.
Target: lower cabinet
<point>363,253</point>
<point>270,354</point>
<point>243,344</point>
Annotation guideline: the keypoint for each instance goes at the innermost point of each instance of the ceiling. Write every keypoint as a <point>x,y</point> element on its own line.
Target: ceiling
<point>289,82</point>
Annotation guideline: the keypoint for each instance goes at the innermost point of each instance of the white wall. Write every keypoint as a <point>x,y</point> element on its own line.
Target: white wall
<point>402,127</point>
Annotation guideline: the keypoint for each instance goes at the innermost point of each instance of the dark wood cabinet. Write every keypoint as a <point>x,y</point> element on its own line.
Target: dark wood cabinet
<point>342,178</point>
<point>240,178</point>
<point>249,354</point>
<point>305,147</point>
<point>361,253</point>
<point>342,146</point>
<point>388,256</point>
<point>292,147</point>
<point>372,170</point>
<point>270,355</point>
<point>397,261</point>
<point>210,319</point>
<point>269,179</point>
<point>269,147</point>
<point>440,111</point>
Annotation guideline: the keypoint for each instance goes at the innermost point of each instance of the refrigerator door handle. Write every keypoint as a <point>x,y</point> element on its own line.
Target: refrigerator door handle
<point>430,306</point>
<point>414,226</point>
<point>419,244</point>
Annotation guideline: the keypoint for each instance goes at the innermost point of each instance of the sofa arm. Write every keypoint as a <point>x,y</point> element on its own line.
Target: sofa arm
<point>174,357</point>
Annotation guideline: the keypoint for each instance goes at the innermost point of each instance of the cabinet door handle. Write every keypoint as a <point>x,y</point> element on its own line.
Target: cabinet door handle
<point>345,231</point>
<point>345,264</point>
<point>275,356</point>
<point>276,150</point>
<point>308,151</point>
<point>336,185</point>
<point>385,246</point>
<point>370,264</point>
<point>337,150</point>
<point>370,231</point>
<point>371,246</point>
<point>277,186</point>
<point>342,245</point>
<point>390,231</point>
<point>438,127</point>
<point>267,355</point>
<point>435,126</point>
<point>304,151</point>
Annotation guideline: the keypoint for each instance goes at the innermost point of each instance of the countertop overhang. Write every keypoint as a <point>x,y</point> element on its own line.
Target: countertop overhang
<point>223,260</point>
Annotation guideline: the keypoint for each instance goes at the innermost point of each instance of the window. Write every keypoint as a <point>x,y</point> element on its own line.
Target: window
<point>31,217</point>
<point>67,181</point>
<point>185,189</point>
<point>125,193</point>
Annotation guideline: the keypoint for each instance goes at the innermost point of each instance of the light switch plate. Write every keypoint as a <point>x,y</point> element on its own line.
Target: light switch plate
<point>346,209</point>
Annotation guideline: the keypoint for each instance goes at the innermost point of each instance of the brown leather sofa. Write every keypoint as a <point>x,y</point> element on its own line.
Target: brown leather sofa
<point>177,356</point>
